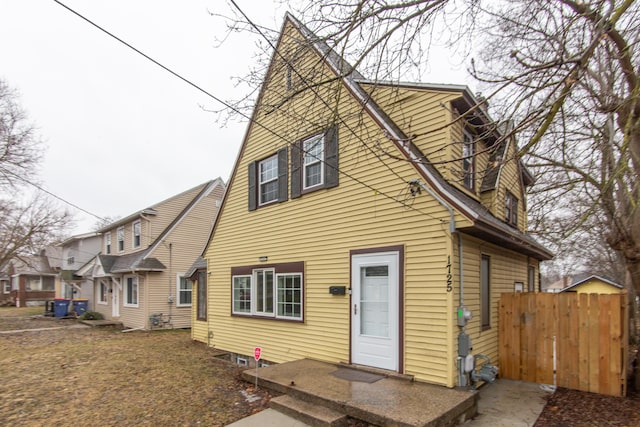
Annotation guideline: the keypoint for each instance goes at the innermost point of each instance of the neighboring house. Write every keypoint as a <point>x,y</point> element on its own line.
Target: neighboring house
<point>76,252</point>
<point>29,280</point>
<point>592,284</point>
<point>352,210</point>
<point>139,277</point>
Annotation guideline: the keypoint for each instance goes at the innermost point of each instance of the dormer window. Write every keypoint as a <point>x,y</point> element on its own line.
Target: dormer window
<point>511,209</point>
<point>120,237</point>
<point>468,161</point>
<point>136,234</point>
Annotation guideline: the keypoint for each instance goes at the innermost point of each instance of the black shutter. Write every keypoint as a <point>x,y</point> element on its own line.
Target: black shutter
<point>283,172</point>
<point>253,184</point>
<point>296,170</point>
<point>331,173</point>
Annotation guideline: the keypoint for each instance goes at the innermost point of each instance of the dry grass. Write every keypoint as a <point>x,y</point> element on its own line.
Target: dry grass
<point>106,377</point>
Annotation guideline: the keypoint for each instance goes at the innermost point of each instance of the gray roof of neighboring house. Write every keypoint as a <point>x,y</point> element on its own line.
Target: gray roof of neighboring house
<point>485,225</point>
<point>199,264</point>
<point>113,264</point>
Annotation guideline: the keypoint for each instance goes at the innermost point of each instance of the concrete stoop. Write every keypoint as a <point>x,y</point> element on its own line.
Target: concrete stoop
<point>308,413</point>
<point>315,397</point>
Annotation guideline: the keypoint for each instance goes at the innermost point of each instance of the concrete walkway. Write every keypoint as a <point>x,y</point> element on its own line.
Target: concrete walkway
<point>17,331</point>
<point>504,403</point>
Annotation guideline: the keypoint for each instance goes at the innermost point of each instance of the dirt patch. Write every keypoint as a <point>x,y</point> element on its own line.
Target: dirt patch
<point>106,377</point>
<point>577,408</point>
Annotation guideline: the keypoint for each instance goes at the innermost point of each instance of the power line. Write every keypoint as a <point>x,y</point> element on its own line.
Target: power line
<point>224,103</point>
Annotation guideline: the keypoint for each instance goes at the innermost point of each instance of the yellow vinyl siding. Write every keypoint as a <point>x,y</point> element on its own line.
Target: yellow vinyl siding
<point>595,286</point>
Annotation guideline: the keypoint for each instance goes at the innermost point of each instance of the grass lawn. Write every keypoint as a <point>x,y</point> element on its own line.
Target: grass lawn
<point>106,377</point>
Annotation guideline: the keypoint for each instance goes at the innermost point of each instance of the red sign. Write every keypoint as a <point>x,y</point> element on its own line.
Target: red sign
<point>257,352</point>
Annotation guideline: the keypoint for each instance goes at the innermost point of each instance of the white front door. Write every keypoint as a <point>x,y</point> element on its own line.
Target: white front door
<point>374,310</point>
<point>115,299</point>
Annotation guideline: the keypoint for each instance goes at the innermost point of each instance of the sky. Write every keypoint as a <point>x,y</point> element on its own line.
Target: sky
<point>121,133</point>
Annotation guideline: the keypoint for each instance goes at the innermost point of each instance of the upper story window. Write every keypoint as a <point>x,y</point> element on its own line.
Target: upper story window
<point>511,209</point>
<point>107,243</point>
<point>268,180</point>
<point>314,163</point>
<point>468,161</point>
<point>136,234</point>
<point>120,237</point>
<point>312,171</point>
<point>276,291</point>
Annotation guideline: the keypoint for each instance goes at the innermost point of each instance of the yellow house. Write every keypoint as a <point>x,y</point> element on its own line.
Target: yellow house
<point>593,284</point>
<point>361,219</point>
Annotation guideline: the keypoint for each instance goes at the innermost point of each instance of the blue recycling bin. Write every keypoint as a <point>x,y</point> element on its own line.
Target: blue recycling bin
<point>60,307</point>
<point>80,306</point>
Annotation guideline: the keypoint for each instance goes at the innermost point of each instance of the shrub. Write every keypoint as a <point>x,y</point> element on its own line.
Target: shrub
<point>91,315</point>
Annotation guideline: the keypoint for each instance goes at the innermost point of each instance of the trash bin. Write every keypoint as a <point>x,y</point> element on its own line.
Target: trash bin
<point>60,307</point>
<point>80,306</point>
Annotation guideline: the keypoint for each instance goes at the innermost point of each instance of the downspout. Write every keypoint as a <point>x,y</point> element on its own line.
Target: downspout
<point>170,297</point>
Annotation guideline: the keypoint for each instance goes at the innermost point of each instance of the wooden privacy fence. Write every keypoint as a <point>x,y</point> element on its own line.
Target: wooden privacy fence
<point>582,338</point>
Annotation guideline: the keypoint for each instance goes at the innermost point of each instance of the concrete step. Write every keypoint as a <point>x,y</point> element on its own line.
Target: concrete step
<point>309,413</point>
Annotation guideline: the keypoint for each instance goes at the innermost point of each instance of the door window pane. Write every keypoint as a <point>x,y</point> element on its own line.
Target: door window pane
<point>374,301</point>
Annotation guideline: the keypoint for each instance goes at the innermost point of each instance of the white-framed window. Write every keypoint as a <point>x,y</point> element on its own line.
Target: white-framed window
<point>266,292</point>
<point>241,295</point>
<point>107,243</point>
<point>485,292</point>
<point>136,234</point>
<point>131,291</point>
<point>120,237</point>
<point>184,291</point>
<point>6,286</point>
<point>468,161</point>
<point>313,170</point>
<point>103,292</point>
<point>268,180</point>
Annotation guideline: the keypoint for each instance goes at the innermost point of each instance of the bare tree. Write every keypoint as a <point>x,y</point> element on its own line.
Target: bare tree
<point>563,73</point>
<point>19,147</point>
<point>27,228</point>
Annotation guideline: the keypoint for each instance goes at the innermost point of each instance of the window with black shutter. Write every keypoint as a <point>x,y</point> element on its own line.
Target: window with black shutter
<point>268,180</point>
<point>314,163</point>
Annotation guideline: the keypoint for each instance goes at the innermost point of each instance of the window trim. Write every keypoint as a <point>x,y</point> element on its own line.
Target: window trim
<point>485,295</point>
<point>99,300</point>
<point>134,235</point>
<point>107,243</point>
<point>179,290</point>
<point>468,160</point>
<point>126,302</point>
<point>119,241</point>
<point>279,270</point>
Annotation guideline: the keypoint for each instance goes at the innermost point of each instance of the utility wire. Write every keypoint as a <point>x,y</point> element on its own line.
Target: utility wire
<point>224,103</point>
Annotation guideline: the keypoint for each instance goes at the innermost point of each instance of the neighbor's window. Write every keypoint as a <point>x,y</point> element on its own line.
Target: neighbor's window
<point>468,161</point>
<point>485,292</point>
<point>185,287</point>
<point>511,209</point>
<point>313,171</point>
<point>6,285</point>
<point>202,295</point>
<point>136,234</point>
<point>107,243</point>
<point>131,291</point>
<point>274,291</point>
<point>103,291</point>
<point>120,237</point>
